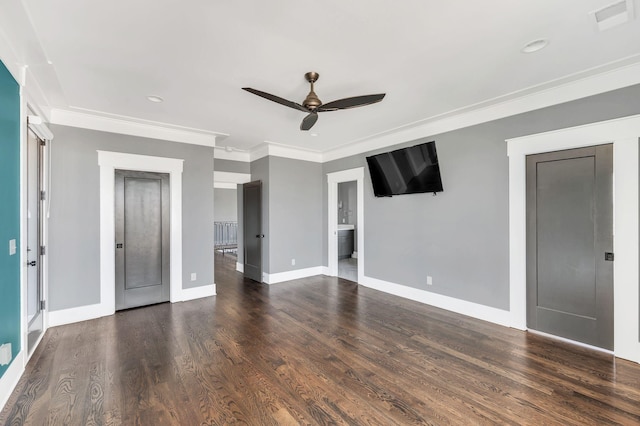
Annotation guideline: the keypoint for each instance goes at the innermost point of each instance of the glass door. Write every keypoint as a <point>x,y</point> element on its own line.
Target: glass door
<point>35,205</point>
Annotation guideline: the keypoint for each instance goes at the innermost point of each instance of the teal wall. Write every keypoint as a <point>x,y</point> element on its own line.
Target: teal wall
<point>9,211</point>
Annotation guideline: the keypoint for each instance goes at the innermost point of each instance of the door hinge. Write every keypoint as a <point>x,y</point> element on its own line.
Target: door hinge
<point>608,256</point>
<point>43,305</point>
<point>43,195</point>
<point>43,142</point>
<point>43,250</point>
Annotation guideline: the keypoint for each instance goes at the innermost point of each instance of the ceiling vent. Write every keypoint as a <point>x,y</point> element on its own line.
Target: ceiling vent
<point>613,15</point>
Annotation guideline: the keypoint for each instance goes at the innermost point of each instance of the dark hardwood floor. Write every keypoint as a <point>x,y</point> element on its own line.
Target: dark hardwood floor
<point>313,351</point>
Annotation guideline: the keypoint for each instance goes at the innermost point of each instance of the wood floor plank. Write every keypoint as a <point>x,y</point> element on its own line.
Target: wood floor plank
<point>314,351</point>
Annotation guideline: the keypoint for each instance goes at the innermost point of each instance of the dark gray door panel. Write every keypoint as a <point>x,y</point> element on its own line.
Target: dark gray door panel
<point>252,222</point>
<point>569,230</point>
<point>142,238</point>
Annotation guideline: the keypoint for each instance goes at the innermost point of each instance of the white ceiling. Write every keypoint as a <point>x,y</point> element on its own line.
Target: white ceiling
<point>429,57</point>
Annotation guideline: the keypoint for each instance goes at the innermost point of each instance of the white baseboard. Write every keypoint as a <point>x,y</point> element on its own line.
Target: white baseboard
<point>240,267</point>
<point>198,292</point>
<point>292,275</point>
<point>475,310</point>
<point>89,312</point>
<point>354,255</point>
<point>325,271</point>
<point>11,377</point>
<point>81,313</point>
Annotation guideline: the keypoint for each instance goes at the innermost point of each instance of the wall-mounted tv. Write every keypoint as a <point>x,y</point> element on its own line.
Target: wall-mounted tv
<point>406,171</point>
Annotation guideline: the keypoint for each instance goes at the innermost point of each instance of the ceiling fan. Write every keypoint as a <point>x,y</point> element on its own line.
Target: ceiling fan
<point>313,105</point>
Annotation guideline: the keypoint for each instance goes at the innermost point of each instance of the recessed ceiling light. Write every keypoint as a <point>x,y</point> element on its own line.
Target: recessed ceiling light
<point>156,99</point>
<point>314,134</point>
<point>535,45</point>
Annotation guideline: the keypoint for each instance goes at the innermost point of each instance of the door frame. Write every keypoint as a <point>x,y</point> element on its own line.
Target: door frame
<point>623,133</point>
<point>110,161</point>
<point>333,179</point>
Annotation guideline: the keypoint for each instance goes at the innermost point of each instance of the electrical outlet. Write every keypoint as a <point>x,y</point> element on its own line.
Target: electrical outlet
<point>293,262</point>
<point>429,280</point>
<point>193,276</point>
<point>5,354</point>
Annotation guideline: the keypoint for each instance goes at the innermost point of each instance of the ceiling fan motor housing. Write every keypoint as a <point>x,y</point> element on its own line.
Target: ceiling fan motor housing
<point>312,101</point>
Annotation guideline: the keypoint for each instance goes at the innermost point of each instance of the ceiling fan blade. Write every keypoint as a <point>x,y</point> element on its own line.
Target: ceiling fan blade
<point>276,99</point>
<point>354,102</point>
<point>309,121</point>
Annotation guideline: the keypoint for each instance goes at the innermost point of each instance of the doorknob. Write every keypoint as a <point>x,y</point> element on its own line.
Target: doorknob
<point>32,263</point>
<point>260,236</point>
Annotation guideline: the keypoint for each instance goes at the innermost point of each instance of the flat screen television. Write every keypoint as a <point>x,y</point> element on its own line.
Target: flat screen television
<point>406,171</point>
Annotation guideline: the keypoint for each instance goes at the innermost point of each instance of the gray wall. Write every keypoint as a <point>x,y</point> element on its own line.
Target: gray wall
<point>460,237</point>
<point>74,224</point>
<point>295,204</point>
<point>291,216</point>
<point>232,166</point>
<point>226,205</point>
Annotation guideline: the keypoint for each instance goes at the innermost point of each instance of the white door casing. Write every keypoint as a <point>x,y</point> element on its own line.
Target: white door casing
<point>624,134</point>
<point>109,162</point>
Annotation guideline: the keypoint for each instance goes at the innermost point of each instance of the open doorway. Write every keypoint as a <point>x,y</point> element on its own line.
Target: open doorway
<point>346,224</point>
<point>225,215</point>
<point>347,230</point>
<point>226,230</point>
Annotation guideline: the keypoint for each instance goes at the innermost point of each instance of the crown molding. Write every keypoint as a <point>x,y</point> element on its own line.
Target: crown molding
<point>231,177</point>
<point>592,82</point>
<point>221,154</point>
<point>225,185</point>
<point>258,152</point>
<point>35,95</point>
<point>277,150</point>
<point>130,126</point>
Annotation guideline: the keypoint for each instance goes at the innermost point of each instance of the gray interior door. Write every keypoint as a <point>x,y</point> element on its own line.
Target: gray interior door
<point>35,205</point>
<point>569,244</point>
<point>252,222</point>
<point>142,238</point>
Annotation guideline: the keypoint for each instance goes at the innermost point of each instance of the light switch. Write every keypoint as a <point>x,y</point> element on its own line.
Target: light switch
<point>193,276</point>
<point>5,354</point>
<point>12,247</point>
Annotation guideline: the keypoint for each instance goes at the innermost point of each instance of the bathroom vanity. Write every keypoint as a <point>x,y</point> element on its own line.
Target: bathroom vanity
<point>345,240</point>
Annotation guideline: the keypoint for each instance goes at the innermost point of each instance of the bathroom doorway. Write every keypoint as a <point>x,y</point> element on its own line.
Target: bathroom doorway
<point>347,230</point>
<point>346,224</point>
